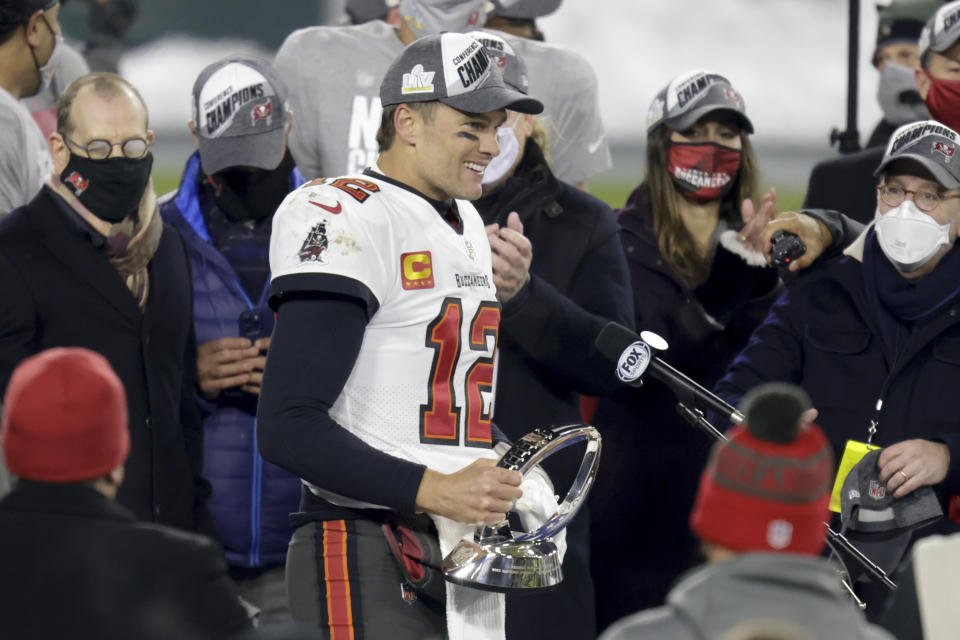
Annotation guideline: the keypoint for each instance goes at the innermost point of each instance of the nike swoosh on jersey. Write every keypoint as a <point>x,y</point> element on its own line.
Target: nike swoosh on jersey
<point>336,209</point>
<point>592,148</point>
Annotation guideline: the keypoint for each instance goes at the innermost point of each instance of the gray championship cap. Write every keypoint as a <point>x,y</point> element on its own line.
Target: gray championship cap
<point>942,30</point>
<point>865,505</point>
<point>502,54</point>
<point>693,95</point>
<point>429,17</point>
<point>454,69</point>
<point>929,143</point>
<point>524,8</point>
<point>240,112</point>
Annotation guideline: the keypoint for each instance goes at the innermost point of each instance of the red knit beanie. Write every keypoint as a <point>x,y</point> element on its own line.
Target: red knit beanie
<point>767,488</point>
<point>64,417</point>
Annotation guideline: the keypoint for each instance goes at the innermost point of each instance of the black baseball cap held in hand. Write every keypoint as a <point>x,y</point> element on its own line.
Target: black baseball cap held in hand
<point>454,69</point>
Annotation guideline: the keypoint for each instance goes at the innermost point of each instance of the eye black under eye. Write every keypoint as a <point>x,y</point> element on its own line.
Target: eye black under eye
<point>468,136</point>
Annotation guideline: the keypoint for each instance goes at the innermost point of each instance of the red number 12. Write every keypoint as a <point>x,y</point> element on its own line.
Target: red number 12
<point>440,417</point>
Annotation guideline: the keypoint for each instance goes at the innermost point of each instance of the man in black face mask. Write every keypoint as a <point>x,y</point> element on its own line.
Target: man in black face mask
<point>224,209</point>
<point>88,263</point>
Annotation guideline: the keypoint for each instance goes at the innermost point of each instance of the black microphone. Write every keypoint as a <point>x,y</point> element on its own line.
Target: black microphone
<point>633,357</point>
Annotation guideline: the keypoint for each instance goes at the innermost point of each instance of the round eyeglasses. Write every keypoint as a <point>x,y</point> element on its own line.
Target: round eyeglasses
<point>926,199</point>
<point>101,149</point>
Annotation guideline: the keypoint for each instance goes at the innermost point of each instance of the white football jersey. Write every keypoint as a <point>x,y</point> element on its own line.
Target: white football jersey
<point>422,386</point>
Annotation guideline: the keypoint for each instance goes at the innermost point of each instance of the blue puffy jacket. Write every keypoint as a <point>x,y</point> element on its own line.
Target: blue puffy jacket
<point>252,498</point>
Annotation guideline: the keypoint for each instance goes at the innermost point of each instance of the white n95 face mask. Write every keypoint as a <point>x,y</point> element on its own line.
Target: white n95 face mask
<point>910,237</point>
<point>503,162</point>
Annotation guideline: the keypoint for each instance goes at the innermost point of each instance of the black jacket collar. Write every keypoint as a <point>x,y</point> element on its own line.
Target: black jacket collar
<point>66,244</point>
<point>65,499</point>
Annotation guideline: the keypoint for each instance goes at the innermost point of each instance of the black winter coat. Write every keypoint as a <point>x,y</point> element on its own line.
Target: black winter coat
<point>578,283</point>
<point>57,290</point>
<point>78,565</point>
<point>652,457</point>
<point>822,335</point>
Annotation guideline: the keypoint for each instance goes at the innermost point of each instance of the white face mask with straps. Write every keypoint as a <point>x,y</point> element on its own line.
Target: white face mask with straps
<point>47,70</point>
<point>909,237</point>
<point>509,150</point>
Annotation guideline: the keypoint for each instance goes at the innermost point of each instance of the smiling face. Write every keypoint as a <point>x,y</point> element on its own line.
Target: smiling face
<point>451,149</point>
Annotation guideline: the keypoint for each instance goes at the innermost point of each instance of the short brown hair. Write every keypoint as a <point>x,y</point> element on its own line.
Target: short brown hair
<point>105,85</point>
<point>387,132</point>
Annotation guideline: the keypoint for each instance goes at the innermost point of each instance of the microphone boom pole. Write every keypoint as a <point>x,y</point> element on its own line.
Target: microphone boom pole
<point>619,344</point>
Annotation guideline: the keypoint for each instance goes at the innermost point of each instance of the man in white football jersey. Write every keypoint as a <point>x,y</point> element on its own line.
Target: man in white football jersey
<point>378,392</point>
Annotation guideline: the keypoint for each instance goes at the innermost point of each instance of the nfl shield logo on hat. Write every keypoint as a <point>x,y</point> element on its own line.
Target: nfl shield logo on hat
<point>779,534</point>
<point>877,490</point>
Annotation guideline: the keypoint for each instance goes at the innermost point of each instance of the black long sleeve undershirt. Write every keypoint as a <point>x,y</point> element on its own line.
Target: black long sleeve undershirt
<point>313,349</point>
<point>314,346</point>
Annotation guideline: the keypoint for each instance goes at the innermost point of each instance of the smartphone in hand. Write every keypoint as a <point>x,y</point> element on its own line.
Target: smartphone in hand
<point>256,323</point>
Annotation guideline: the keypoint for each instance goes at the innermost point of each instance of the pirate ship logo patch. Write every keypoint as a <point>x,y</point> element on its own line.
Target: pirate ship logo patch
<point>315,245</point>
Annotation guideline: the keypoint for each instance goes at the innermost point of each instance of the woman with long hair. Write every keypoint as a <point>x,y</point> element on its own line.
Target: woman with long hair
<point>697,284</point>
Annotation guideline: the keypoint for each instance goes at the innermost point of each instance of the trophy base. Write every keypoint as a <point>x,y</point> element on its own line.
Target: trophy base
<point>506,565</point>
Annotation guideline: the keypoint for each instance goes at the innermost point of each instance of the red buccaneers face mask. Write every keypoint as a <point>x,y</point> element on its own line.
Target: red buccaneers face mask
<point>943,101</point>
<point>703,172</point>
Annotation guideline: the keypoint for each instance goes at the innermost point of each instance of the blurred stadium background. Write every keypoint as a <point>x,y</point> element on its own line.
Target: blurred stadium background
<point>787,57</point>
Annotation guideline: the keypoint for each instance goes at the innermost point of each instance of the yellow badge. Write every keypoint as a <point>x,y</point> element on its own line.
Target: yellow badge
<point>852,454</point>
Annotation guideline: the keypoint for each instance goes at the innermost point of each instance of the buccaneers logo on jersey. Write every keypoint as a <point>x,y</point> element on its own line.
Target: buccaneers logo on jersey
<point>315,245</point>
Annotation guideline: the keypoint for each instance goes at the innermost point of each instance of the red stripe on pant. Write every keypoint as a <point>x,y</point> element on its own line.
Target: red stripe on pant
<point>336,578</point>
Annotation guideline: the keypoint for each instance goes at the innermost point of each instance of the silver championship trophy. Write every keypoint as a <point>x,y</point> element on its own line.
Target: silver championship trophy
<point>498,560</point>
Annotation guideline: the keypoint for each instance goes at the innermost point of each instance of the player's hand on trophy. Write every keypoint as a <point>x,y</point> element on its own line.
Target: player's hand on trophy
<point>512,253</point>
<point>226,363</point>
<point>480,493</point>
<point>912,464</point>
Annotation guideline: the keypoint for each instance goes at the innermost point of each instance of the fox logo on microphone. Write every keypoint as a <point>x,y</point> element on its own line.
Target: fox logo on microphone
<point>633,361</point>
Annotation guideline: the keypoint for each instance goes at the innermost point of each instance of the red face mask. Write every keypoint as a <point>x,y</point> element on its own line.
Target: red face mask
<point>703,172</point>
<point>943,101</point>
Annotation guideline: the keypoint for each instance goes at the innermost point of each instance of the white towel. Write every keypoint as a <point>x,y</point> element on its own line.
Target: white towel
<point>474,614</point>
<point>471,613</point>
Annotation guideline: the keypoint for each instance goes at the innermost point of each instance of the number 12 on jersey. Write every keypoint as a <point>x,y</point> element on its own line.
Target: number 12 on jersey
<point>440,417</point>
